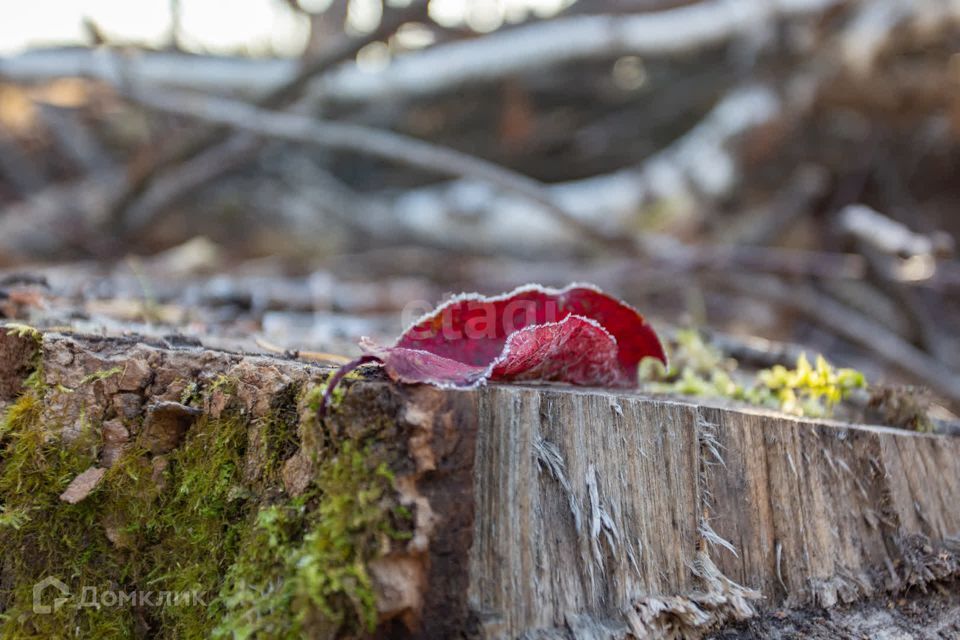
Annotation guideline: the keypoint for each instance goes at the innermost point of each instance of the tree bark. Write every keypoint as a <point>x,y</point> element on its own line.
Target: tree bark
<point>551,511</point>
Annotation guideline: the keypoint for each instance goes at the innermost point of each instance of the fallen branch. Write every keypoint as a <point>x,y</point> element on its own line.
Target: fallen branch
<point>201,72</point>
<point>219,156</point>
<point>697,164</point>
<point>672,32</point>
<point>670,254</point>
<point>754,351</point>
<point>891,237</point>
<point>382,144</point>
<point>512,51</point>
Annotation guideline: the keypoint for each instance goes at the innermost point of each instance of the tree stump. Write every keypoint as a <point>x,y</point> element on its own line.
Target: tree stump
<point>410,511</point>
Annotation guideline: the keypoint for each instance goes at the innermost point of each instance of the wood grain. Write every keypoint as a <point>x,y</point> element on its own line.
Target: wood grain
<point>804,512</point>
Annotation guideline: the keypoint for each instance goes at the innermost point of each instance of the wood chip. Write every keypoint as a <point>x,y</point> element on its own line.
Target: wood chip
<point>83,485</point>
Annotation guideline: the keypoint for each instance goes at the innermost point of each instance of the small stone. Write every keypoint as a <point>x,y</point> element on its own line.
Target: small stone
<point>128,405</point>
<point>217,404</point>
<point>136,375</point>
<point>400,582</point>
<point>63,357</point>
<point>83,485</point>
<point>165,425</point>
<point>174,391</point>
<point>297,473</point>
<point>116,533</point>
<point>17,355</point>
<point>157,474</point>
<point>115,439</point>
<point>257,386</point>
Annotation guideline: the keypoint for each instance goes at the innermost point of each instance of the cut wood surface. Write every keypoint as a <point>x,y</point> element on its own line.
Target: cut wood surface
<point>545,511</point>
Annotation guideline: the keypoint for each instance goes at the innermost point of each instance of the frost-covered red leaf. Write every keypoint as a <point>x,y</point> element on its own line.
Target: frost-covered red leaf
<point>577,335</point>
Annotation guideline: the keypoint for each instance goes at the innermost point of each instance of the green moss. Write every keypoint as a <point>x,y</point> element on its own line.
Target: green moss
<point>313,396</point>
<point>224,384</point>
<point>186,523</point>
<point>699,369</point>
<point>102,375</point>
<point>196,525</point>
<point>177,540</point>
<point>21,415</point>
<point>13,517</point>
<point>302,570</point>
<point>23,331</point>
<point>279,441</point>
<point>49,537</point>
<point>192,394</point>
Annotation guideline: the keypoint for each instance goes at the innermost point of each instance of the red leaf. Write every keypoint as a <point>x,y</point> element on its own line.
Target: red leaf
<point>577,335</point>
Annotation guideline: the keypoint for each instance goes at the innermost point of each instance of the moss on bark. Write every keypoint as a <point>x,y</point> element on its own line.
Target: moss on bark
<point>186,544</point>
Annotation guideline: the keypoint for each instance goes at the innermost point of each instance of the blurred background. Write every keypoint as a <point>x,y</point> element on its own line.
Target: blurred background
<point>780,174</point>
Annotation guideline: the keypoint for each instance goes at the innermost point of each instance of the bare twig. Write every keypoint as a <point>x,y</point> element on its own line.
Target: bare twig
<point>886,244</point>
<point>176,24</point>
<point>158,68</point>
<point>314,356</point>
<point>924,324</point>
<point>754,351</point>
<point>665,257</point>
<point>618,7</point>
<point>344,50</point>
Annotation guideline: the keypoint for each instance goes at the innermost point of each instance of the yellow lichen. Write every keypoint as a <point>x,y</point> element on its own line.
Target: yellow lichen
<point>699,369</point>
